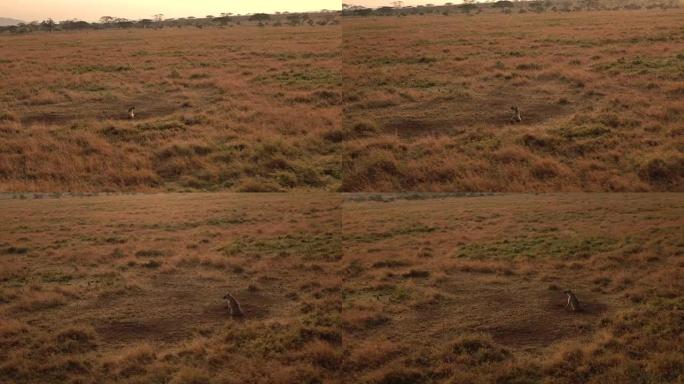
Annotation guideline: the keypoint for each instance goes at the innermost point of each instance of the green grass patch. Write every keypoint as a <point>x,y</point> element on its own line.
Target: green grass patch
<point>307,78</point>
<point>669,68</point>
<point>391,292</point>
<point>318,247</point>
<point>541,247</point>
<point>584,131</point>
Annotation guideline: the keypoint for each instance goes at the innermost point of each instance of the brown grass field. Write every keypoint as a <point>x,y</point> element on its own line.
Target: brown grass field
<point>417,103</point>
<point>428,102</point>
<point>240,108</point>
<point>381,289</point>
<point>470,289</point>
<point>128,289</point>
<point>100,283</point>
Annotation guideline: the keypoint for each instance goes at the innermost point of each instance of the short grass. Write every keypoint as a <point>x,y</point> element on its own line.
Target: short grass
<point>429,97</point>
<point>479,298</point>
<point>341,288</point>
<point>129,289</point>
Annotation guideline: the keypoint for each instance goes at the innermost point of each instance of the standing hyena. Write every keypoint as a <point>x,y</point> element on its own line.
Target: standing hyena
<point>235,309</point>
<point>572,303</point>
<point>517,117</point>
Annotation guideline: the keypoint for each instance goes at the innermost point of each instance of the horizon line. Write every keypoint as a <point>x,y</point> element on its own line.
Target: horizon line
<point>26,21</point>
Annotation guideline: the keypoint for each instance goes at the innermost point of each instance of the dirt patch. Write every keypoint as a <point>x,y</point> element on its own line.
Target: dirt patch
<point>133,330</point>
<point>541,320</point>
<point>518,316</point>
<point>441,116</point>
<point>146,107</point>
<point>410,127</point>
<point>173,308</point>
<point>47,118</point>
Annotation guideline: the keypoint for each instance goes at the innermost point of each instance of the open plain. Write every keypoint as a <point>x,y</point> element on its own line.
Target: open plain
<point>366,272</point>
<point>444,289</point>
<point>129,289</point>
<point>377,289</point>
<point>241,108</point>
<point>428,102</point>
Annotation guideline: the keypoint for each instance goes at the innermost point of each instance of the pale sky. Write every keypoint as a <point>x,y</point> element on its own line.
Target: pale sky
<point>92,10</point>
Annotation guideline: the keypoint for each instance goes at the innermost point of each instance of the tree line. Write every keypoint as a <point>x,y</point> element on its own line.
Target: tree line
<point>506,6</point>
<point>158,21</point>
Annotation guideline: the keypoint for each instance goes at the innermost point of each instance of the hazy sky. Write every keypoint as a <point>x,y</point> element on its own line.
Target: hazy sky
<point>91,10</point>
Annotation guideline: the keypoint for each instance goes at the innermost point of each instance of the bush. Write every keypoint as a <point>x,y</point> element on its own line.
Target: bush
<point>75,340</point>
<point>476,349</point>
<point>365,128</point>
<point>545,169</point>
<point>659,170</point>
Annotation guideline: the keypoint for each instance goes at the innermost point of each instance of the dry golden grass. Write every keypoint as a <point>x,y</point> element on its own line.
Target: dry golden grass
<point>374,289</point>
<point>470,289</point>
<point>429,97</point>
<point>426,106</point>
<point>128,289</point>
<point>241,108</point>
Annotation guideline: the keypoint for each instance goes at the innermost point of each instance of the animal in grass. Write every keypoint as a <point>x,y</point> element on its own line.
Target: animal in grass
<point>131,113</point>
<point>235,309</point>
<point>517,117</point>
<point>572,303</point>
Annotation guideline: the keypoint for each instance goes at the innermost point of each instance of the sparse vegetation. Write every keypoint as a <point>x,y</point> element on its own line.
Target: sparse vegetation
<point>380,284</point>
<point>244,109</point>
<point>77,306</point>
<point>487,307</point>
<point>597,91</point>
<point>381,288</point>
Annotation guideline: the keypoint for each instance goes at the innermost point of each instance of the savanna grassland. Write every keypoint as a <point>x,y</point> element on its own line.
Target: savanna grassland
<point>128,289</point>
<point>341,288</point>
<point>428,102</point>
<point>241,108</point>
<point>470,289</point>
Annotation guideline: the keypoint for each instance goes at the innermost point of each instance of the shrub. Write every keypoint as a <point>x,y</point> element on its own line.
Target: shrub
<point>365,128</point>
<point>75,340</point>
<point>377,167</point>
<point>545,169</point>
<point>659,170</point>
<point>476,349</point>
